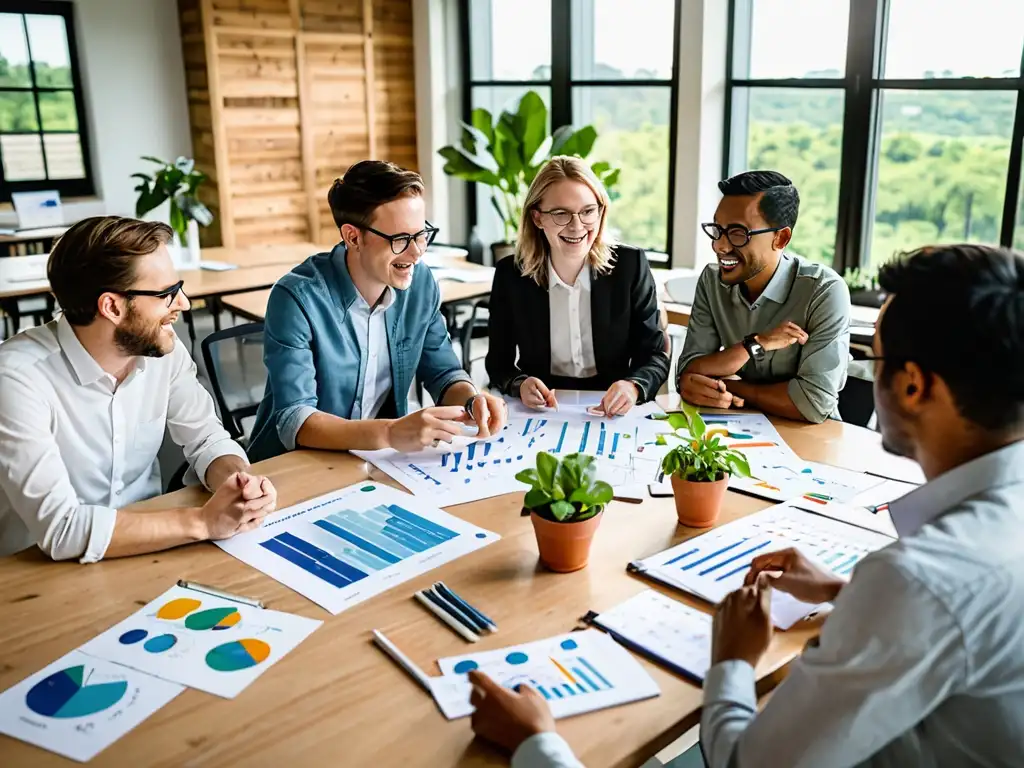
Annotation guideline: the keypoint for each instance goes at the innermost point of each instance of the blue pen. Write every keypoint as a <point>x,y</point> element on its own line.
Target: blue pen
<point>457,616</point>
<point>446,591</point>
<point>453,607</point>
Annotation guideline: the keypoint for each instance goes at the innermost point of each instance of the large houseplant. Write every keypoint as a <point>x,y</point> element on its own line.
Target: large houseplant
<point>506,152</point>
<point>177,182</point>
<point>700,467</point>
<point>565,503</point>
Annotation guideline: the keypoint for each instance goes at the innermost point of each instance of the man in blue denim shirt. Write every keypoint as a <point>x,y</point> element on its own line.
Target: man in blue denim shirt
<point>347,331</point>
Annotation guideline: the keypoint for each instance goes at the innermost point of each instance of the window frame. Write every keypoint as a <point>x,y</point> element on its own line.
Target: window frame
<point>863,86</point>
<point>82,187</point>
<point>562,85</point>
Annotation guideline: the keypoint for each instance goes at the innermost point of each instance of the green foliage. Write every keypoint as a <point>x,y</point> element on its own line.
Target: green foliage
<point>858,279</point>
<point>507,154</point>
<point>701,456</point>
<point>179,183</point>
<point>566,491</point>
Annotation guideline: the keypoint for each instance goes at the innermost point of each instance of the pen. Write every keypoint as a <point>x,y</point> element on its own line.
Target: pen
<point>401,660</point>
<point>458,612</point>
<point>447,591</point>
<point>197,587</point>
<point>457,626</point>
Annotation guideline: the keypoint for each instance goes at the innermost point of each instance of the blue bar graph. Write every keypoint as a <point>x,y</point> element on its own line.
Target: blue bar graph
<point>544,692</point>
<point>306,563</point>
<point>557,693</point>
<point>471,450</point>
<point>583,441</point>
<point>683,556</point>
<point>712,556</point>
<point>848,565</point>
<point>615,445</point>
<point>570,690</point>
<point>600,441</point>
<point>582,676</point>
<point>324,558</point>
<point>733,559</point>
<point>833,558</point>
<point>561,438</point>
<point>724,576</point>
<point>594,671</point>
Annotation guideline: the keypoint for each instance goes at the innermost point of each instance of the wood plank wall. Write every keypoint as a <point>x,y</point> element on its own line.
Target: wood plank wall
<point>285,95</point>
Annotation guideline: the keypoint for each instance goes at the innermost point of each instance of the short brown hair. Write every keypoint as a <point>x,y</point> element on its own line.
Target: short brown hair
<point>366,186</point>
<point>98,255</point>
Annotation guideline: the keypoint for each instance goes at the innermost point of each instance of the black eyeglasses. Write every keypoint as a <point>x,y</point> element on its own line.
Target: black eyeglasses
<point>736,234</point>
<point>400,243</point>
<point>167,293</point>
<point>588,215</point>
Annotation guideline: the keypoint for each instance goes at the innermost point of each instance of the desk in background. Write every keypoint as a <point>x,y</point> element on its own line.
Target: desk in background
<point>338,701</point>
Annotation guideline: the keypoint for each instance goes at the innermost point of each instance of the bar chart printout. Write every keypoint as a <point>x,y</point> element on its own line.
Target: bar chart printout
<point>714,564</point>
<point>575,673</point>
<point>349,545</point>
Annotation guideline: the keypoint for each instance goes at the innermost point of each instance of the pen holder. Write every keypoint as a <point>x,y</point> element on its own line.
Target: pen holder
<point>565,547</point>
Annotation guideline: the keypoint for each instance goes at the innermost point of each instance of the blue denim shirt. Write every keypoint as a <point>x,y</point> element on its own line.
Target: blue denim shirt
<point>314,355</point>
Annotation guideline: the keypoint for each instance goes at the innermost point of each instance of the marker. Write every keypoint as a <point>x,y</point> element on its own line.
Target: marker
<point>197,587</point>
<point>461,614</point>
<point>480,615</point>
<point>427,603</point>
<point>401,659</point>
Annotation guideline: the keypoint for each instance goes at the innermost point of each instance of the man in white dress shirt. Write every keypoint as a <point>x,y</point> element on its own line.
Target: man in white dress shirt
<point>921,662</point>
<point>85,400</point>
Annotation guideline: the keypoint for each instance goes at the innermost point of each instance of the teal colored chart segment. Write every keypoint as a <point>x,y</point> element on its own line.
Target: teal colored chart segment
<point>238,654</point>
<point>64,695</point>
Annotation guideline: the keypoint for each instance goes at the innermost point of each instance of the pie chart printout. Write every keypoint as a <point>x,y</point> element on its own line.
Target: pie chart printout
<point>64,694</point>
<point>238,654</point>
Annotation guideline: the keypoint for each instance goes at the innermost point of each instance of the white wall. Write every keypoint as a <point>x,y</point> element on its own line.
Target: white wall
<point>129,55</point>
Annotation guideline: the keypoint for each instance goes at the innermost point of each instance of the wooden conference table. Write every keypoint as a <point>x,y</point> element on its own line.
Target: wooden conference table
<point>338,701</point>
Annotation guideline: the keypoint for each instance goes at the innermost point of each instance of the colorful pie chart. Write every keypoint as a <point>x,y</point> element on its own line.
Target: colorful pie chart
<point>213,618</point>
<point>177,609</point>
<point>63,695</point>
<point>238,654</point>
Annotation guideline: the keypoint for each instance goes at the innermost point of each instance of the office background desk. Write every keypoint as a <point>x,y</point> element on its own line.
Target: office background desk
<point>336,700</point>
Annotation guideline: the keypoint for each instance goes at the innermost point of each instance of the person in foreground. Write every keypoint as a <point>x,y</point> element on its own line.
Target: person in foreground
<point>347,331</point>
<point>85,400</point>
<point>579,312</point>
<point>768,329</point>
<point>921,661</point>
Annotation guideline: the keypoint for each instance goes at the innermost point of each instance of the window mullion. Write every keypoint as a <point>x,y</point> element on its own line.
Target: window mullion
<point>35,96</point>
<point>1012,199</point>
<point>561,64</point>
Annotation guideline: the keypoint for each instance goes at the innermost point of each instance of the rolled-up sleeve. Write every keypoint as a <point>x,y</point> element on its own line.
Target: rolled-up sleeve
<point>35,480</point>
<point>439,366</point>
<point>545,750</point>
<point>821,374</point>
<point>701,334</point>
<point>192,419</point>
<point>291,371</point>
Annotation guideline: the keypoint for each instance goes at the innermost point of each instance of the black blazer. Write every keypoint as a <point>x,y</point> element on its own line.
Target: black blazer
<point>628,341</point>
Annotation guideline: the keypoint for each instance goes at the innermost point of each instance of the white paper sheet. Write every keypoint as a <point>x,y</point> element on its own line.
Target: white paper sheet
<point>205,642</point>
<point>79,705</point>
<point>816,483</point>
<point>576,673</point>
<point>714,564</point>
<point>349,545</point>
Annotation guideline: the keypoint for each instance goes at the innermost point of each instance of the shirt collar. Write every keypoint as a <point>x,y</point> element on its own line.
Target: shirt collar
<point>85,367</point>
<point>387,299</point>
<point>583,281</point>
<point>993,470</point>
<point>778,287</point>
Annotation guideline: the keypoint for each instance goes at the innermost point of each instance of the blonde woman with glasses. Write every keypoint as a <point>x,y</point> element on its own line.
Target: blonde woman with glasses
<point>572,310</point>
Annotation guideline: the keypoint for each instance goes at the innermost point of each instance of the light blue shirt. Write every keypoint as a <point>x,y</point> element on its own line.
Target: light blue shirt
<point>921,662</point>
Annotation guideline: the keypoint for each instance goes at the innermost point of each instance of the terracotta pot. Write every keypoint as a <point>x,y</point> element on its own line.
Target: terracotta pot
<point>565,547</point>
<point>698,504</point>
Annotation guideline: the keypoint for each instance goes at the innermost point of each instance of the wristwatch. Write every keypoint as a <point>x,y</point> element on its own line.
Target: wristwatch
<point>753,347</point>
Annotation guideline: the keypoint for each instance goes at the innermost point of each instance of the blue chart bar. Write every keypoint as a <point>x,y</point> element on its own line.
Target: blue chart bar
<point>712,556</point>
<point>561,438</point>
<point>582,676</point>
<point>306,563</point>
<point>569,689</point>
<point>413,519</point>
<point>544,692</point>
<point>471,451</point>
<point>324,558</point>
<point>734,558</point>
<point>615,445</point>
<point>458,457</point>
<point>733,572</point>
<point>557,693</point>
<point>834,557</point>
<point>596,674</point>
<point>360,542</point>
<point>586,433</point>
<point>600,441</point>
<point>848,565</point>
<point>487,448</point>
<point>686,554</point>
<point>526,427</point>
<point>444,459</point>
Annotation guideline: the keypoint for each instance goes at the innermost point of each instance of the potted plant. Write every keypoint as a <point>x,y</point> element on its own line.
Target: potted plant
<point>507,153</point>
<point>177,182</point>
<point>565,503</point>
<point>864,288</point>
<point>700,467</point>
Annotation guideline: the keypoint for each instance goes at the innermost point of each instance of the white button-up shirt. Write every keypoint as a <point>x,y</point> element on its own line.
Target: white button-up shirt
<point>372,332</point>
<point>75,446</point>
<point>572,335</point>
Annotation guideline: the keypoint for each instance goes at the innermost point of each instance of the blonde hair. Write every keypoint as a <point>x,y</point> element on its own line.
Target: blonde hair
<point>532,248</point>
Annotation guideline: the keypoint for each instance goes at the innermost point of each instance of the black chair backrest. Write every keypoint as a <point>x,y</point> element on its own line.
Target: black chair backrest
<point>857,401</point>
<point>246,392</point>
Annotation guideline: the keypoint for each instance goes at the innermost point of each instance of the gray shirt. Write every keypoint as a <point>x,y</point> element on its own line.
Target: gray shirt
<point>922,660</point>
<point>801,291</point>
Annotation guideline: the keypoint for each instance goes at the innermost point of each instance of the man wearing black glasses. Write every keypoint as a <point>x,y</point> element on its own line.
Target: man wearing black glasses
<point>768,329</point>
<point>348,331</point>
<point>85,401</point>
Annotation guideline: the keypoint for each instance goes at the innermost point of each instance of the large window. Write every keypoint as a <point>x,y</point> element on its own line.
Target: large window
<point>900,121</point>
<point>607,63</point>
<point>42,124</point>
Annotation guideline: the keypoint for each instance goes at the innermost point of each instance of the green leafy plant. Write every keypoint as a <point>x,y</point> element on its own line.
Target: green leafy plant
<point>506,153</point>
<point>701,455</point>
<point>178,182</point>
<point>858,279</point>
<point>565,491</point>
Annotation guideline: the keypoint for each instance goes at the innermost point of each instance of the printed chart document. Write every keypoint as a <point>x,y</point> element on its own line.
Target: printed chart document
<point>713,564</point>
<point>349,545</point>
<point>205,642</point>
<point>576,673</point>
<point>79,705</point>
<point>670,632</point>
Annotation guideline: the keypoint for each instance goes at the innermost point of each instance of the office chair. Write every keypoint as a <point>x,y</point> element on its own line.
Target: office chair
<point>236,372</point>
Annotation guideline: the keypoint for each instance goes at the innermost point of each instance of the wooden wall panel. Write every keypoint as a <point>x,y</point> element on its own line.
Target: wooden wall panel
<point>284,96</point>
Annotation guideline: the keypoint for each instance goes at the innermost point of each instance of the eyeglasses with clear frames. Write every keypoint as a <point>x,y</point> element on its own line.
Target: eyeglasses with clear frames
<point>561,218</point>
<point>400,243</point>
